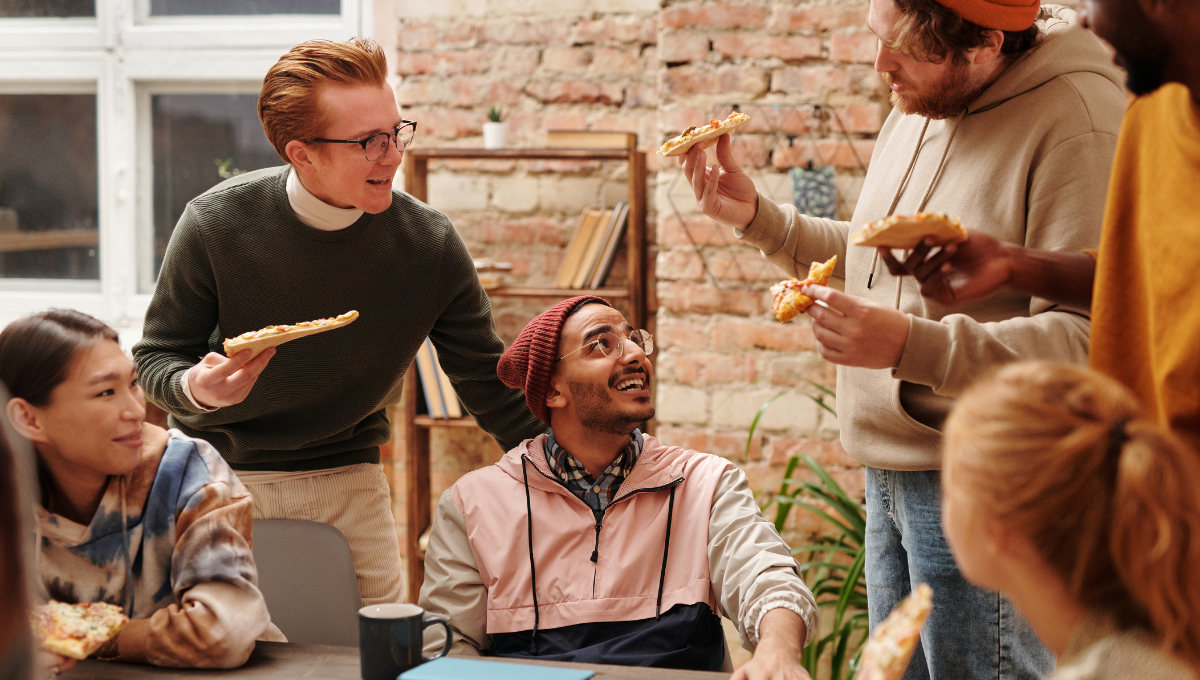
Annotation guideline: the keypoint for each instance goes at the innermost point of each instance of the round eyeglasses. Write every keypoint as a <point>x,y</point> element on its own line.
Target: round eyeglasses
<point>376,146</point>
<point>609,344</point>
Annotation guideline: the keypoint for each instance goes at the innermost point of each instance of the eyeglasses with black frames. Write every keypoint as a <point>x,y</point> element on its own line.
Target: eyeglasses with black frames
<point>376,146</point>
<point>609,344</point>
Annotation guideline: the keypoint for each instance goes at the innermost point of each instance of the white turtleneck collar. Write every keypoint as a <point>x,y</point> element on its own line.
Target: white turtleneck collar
<point>313,211</point>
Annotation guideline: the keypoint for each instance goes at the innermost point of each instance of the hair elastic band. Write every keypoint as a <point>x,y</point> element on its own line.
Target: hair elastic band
<point>1117,437</point>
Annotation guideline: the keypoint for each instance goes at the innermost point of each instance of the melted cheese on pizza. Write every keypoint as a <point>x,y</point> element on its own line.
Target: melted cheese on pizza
<point>77,630</point>
<point>787,300</point>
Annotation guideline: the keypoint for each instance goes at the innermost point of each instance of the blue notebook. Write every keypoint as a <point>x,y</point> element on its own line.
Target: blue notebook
<point>449,668</point>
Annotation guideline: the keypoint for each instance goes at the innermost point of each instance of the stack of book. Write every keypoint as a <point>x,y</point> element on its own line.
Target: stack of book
<point>440,397</point>
<point>593,247</point>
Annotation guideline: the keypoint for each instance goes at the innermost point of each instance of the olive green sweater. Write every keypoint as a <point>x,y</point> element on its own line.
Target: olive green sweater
<point>239,259</point>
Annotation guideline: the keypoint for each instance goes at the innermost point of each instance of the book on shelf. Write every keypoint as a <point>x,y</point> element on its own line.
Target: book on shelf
<point>575,249</point>
<point>440,396</point>
<point>583,270</point>
<point>591,139</point>
<point>612,241</point>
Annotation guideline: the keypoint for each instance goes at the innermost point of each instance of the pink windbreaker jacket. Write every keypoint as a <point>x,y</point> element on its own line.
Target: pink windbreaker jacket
<point>719,551</point>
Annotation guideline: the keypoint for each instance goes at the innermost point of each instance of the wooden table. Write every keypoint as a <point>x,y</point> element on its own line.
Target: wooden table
<point>283,661</point>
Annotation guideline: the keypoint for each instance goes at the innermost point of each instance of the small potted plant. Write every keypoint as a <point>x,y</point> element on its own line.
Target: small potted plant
<point>493,130</point>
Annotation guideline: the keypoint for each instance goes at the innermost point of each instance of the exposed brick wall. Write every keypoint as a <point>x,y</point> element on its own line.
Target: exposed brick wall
<point>651,67</point>
<point>723,354</point>
<point>551,64</point>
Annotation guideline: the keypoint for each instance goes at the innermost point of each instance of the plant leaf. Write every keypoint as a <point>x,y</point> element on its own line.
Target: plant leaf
<point>754,423</point>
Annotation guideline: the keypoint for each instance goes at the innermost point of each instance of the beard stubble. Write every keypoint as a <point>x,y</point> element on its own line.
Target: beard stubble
<point>948,98</point>
<point>597,412</point>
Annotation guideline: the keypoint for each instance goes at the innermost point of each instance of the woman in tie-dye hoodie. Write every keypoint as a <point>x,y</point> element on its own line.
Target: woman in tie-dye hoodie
<point>130,514</point>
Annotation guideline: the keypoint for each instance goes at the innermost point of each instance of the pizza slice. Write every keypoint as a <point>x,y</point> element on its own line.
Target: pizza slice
<point>257,341</point>
<point>906,231</point>
<point>887,653</point>
<point>702,134</point>
<point>77,630</point>
<point>787,300</point>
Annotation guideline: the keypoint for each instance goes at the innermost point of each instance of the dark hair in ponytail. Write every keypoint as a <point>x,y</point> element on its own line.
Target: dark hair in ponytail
<point>1111,501</point>
<point>36,350</point>
<point>14,624</point>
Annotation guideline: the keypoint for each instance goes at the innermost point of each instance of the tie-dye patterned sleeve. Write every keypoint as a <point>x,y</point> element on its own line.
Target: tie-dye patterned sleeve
<point>221,610</point>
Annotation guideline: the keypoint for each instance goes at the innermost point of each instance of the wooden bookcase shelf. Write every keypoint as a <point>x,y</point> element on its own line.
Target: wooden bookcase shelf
<point>417,427</point>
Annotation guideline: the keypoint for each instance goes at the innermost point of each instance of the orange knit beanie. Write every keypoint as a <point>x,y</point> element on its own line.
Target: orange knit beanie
<point>1002,15</point>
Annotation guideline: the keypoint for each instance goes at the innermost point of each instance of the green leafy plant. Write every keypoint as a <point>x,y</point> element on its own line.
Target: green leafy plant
<point>754,423</point>
<point>834,563</point>
<point>495,114</point>
<point>223,169</point>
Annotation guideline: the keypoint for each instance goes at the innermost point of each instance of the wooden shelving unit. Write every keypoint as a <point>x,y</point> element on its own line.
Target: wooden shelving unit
<point>22,241</point>
<point>417,427</point>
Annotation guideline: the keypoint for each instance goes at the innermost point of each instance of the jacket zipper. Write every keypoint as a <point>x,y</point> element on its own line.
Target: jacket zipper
<point>595,557</point>
<point>599,521</point>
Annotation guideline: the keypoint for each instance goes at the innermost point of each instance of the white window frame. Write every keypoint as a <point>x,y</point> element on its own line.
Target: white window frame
<point>124,56</point>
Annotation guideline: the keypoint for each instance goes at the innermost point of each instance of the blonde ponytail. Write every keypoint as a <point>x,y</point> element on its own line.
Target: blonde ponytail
<point>1112,502</point>
<point>1155,540</point>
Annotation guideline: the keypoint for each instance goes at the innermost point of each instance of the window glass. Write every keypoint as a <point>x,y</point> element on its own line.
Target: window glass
<point>48,198</point>
<point>210,7</point>
<point>201,140</point>
<point>47,8</point>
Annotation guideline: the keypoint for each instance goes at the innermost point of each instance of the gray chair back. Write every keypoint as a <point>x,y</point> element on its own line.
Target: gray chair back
<point>307,578</point>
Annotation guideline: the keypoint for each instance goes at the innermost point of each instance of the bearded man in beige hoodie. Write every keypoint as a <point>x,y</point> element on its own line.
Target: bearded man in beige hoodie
<point>1005,116</point>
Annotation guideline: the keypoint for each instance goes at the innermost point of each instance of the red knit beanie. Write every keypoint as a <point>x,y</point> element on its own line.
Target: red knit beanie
<point>528,363</point>
<point>1001,15</point>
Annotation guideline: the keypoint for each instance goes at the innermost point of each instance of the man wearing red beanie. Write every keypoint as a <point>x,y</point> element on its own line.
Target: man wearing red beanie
<point>596,543</point>
<point>1005,116</point>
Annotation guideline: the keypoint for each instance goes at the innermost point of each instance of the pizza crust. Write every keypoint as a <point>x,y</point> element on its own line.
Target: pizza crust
<point>706,135</point>
<point>886,655</point>
<point>786,299</point>
<point>271,336</point>
<point>907,231</point>
<point>77,630</point>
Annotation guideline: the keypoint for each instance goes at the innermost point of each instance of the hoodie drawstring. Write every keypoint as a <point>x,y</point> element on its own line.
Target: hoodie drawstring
<point>928,190</point>
<point>662,576</point>
<point>128,561</point>
<point>532,572</point>
<point>37,552</point>
<point>37,558</point>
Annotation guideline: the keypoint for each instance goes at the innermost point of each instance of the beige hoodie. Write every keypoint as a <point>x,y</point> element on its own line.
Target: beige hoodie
<point>1028,163</point>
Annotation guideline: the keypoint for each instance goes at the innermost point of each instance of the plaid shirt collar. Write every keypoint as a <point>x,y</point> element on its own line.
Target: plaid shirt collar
<point>598,494</point>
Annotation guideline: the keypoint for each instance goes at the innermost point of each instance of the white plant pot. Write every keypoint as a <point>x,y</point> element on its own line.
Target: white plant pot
<point>493,135</point>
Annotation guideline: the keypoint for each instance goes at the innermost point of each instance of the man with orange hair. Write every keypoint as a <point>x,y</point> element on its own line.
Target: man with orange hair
<point>322,235</point>
<point>1005,116</point>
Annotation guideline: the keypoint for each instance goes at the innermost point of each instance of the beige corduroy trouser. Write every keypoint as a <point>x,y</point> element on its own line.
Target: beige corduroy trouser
<point>357,502</point>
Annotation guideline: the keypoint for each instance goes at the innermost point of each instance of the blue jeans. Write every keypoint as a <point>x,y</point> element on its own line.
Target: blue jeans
<point>972,634</point>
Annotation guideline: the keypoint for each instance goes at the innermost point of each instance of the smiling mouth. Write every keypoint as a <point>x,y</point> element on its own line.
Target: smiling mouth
<point>379,182</point>
<point>631,383</point>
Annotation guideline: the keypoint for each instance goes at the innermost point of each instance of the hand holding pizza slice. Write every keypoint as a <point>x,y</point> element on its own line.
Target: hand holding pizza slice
<point>77,630</point>
<point>705,135</point>
<point>906,231</point>
<point>787,300</point>
<point>271,336</point>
